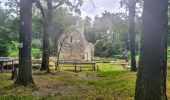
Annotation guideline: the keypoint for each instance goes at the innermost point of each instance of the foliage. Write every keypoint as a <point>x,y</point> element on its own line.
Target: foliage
<point>62,21</point>
<point>108,37</point>
<point>4,33</point>
<point>36,43</point>
<point>106,49</point>
<point>168,52</point>
<point>3,49</point>
<point>89,32</point>
<point>13,49</point>
<point>36,53</point>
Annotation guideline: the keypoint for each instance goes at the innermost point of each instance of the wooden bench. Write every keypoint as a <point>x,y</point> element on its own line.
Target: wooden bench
<point>76,64</point>
<point>5,60</point>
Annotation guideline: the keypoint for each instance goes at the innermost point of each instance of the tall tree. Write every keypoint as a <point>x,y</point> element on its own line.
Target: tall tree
<point>25,70</point>
<point>47,14</point>
<point>47,19</point>
<point>151,78</point>
<point>132,6</point>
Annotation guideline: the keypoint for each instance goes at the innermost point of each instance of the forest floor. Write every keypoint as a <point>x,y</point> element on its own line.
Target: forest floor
<point>111,82</point>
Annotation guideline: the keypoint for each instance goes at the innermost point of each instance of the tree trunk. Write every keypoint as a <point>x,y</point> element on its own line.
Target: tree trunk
<point>151,78</point>
<point>25,68</point>
<point>57,36</point>
<point>47,26</point>
<point>126,44</point>
<point>46,53</point>
<point>14,74</point>
<point>132,6</point>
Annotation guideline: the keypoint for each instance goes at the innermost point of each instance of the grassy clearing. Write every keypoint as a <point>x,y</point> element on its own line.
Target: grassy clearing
<point>111,82</point>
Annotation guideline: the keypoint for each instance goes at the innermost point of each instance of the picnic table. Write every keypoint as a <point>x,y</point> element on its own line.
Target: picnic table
<point>6,60</point>
<point>76,63</point>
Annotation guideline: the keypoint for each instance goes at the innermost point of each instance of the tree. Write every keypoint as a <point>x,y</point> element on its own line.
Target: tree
<point>8,28</point>
<point>88,30</point>
<point>132,4</point>
<point>60,44</point>
<point>108,36</point>
<point>151,77</point>
<point>62,21</point>
<point>25,70</point>
<point>4,33</point>
<point>47,20</point>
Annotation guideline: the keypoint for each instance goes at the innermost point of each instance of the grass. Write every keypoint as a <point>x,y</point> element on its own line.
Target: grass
<point>111,82</point>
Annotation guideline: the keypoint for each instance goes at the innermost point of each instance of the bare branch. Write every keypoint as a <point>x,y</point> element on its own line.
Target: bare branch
<point>94,6</point>
<point>59,4</point>
<point>61,45</point>
<point>39,6</point>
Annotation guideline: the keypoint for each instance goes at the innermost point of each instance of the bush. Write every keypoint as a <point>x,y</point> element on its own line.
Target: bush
<point>3,49</point>
<point>13,49</point>
<point>104,48</point>
<point>36,43</point>
<point>36,53</point>
<point>13,53</point>
<point>168,53</point>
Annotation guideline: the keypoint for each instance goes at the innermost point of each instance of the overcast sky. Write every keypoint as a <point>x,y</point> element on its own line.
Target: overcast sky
<point>101,5</point>
<point>88,9</point>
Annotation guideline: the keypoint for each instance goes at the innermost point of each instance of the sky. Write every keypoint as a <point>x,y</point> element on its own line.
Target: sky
<point>88,9</point>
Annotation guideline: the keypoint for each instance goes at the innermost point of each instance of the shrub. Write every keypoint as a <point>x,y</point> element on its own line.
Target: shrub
<point>13,49</point>
<point>3,49</point>
<point>104,48</point>
<point>36,43</point>
<point>36,53</point>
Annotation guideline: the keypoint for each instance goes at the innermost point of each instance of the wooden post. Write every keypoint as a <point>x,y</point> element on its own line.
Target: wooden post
<point>12,64</point>
<point>1,69</point>
<point>1,65</point>
<point>75,68</point>
<point>80,69</point>
<point>14,73</point>
<point>94,66</point>
<point>7,67</point>
<point>57,66</point>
